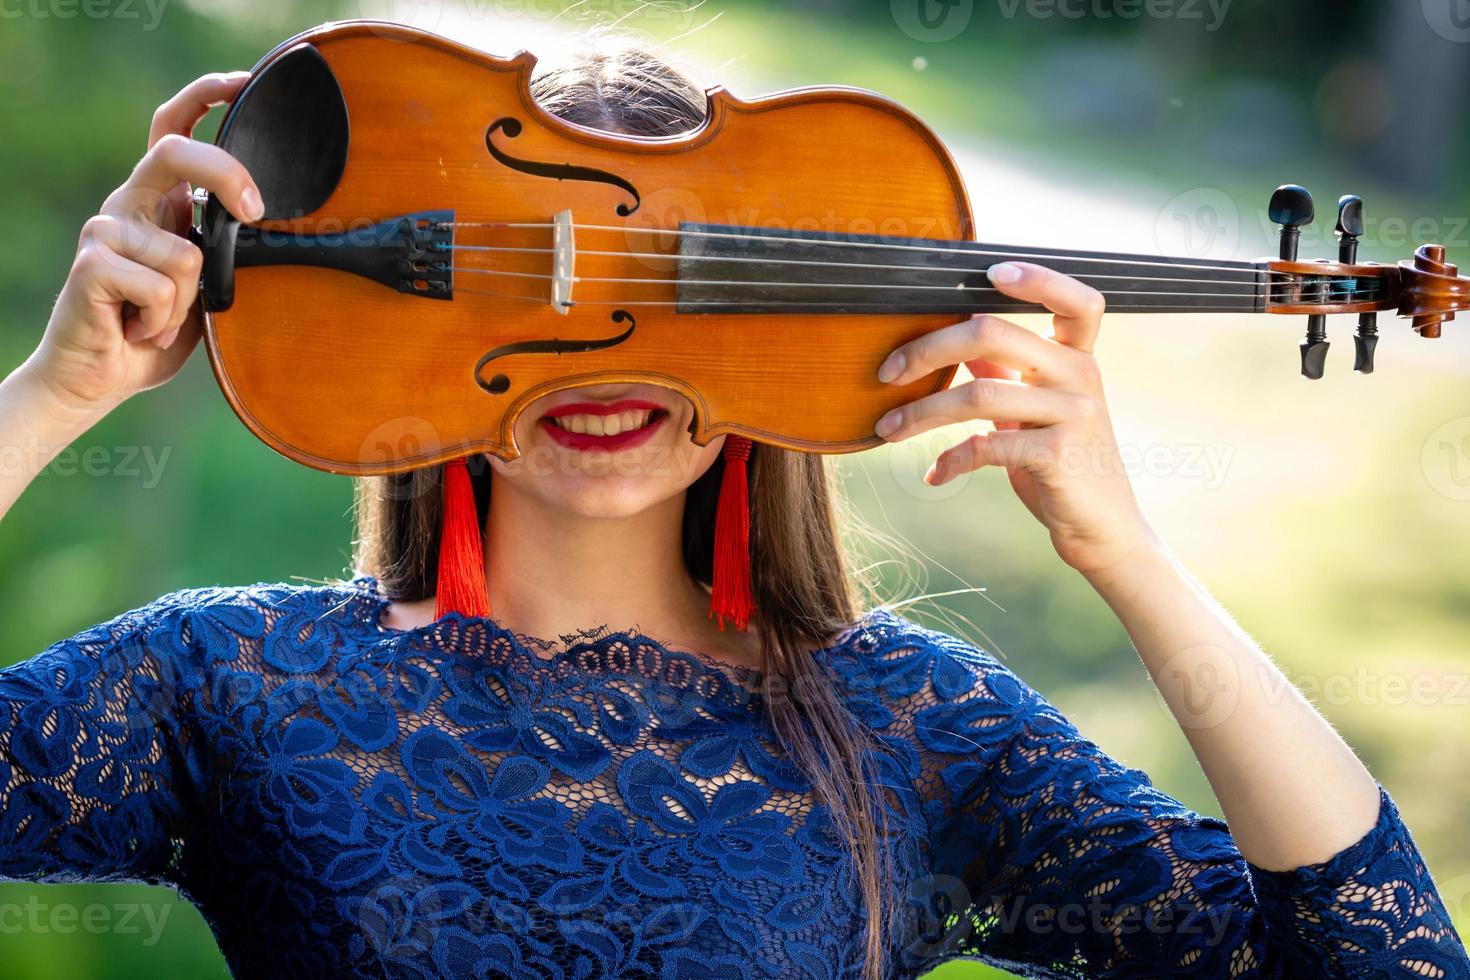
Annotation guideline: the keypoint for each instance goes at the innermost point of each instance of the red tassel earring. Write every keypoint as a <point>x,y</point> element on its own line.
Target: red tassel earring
<point>731,595</point>
<point>461,548</point>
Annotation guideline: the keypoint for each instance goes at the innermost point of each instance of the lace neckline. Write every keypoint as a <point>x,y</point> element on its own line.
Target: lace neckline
<point>569,652</point>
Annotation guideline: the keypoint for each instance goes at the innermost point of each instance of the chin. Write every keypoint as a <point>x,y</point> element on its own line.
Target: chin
<point>607,497</point>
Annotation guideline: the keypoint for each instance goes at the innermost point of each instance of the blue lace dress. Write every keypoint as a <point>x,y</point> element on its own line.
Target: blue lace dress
<point>342,799</point>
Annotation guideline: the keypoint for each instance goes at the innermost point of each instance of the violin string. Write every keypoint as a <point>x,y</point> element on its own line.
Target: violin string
<point>958,288</point>
<point>865,266</point>
<point>849,243</point>
<point>741,307</point>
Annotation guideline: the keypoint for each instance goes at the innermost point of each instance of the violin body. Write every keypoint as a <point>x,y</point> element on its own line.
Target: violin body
<point>438,252</point>
<point>338,372</point>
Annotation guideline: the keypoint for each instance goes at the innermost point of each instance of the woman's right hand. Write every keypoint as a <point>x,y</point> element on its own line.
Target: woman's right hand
<point>126,320</point>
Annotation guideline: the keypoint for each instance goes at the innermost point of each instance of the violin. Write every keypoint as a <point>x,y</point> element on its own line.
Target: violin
<point>439,251</point>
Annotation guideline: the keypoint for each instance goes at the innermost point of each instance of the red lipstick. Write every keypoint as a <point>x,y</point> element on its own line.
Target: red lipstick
<point>585,441</point>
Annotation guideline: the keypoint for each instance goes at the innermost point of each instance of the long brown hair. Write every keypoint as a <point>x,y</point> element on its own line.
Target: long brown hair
<point>804,589</point>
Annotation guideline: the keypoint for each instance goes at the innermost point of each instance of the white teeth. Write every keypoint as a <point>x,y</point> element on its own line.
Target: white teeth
<point>604,425</point>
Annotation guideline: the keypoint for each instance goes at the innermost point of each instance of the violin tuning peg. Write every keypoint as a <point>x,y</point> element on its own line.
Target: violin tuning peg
<point>1291,205</point>
<point>1314,359</point>
<point>1349,230</point>
<point>1314,348</point>
<point>1364,343</point>
<point>1350,215</point>
<point>1291,208</point>
<point>1349,227</point>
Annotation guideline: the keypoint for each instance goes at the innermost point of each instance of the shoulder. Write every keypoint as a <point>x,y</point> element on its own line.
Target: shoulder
<point>887,652</point>
<point>964,722</point>
<point>271,598</point>
<point>218,623</point>
<point>259,604</point>
<point>939,691</point>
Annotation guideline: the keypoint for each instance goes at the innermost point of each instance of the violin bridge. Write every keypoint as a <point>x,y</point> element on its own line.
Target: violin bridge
<point>563,260</point>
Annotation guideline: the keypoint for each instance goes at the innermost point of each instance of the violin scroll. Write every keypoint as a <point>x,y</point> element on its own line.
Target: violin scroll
<point>1432,291</point>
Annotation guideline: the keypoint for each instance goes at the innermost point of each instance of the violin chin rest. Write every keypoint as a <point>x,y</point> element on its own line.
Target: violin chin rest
<point>288,126</point>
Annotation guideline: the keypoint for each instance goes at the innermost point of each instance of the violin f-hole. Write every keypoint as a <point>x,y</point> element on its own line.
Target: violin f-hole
<point>499,384</point>
<point>511,127</point>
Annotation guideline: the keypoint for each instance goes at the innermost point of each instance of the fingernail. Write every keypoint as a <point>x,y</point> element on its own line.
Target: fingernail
<point>1003,273</point>
<point>250,201</point>
<point>931,475</point>
<point>888,424</point>
<point>892,368</point>
<point>167,340</point>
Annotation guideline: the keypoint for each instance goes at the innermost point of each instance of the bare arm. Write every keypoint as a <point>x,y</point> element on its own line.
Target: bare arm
<point>1291,789</point>
<point>126,320</point>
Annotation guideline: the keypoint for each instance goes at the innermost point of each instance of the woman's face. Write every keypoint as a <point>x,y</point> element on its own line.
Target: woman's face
<point>606,450</point>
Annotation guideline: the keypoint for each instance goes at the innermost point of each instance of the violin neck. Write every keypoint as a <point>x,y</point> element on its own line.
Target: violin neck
<point>731,269</point>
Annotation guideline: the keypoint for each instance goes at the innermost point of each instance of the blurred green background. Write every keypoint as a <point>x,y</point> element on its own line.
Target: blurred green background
<point>1330,517</point>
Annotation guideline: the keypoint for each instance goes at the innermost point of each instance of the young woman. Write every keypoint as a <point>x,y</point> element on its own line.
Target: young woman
<point>349,781</point>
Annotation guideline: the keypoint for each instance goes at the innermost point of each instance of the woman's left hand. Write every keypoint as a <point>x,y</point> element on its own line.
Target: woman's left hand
<point>1045,396</point>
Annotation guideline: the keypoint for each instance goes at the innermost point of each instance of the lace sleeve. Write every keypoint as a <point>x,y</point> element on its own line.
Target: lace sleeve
<point>94,752</point>
<point>1052,859</point>
<point>1371,910</point>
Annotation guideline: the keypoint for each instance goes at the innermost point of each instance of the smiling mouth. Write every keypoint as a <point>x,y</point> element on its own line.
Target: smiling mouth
<point>592,425</point>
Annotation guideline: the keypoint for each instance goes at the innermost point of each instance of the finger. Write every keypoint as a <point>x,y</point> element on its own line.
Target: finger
<point>183,338</point>
<point>180,114</point>
<point>989,369</point>
<point>1015,449</point>
<point>150,246</point>
<point>110,279</point>
<point>177,159</point>
<point>983,398</point>
<point>1078,308</point>
<point>981,368</point>
<point>178,203</point>
<point>989,338</point>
